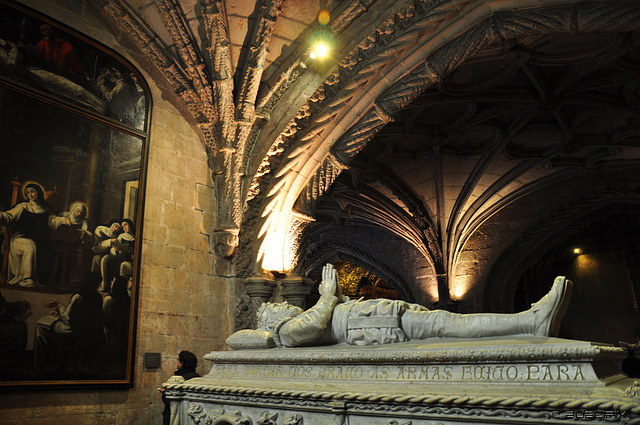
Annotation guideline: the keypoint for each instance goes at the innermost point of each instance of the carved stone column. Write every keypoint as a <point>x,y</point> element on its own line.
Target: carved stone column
<point>296,289</point>
<point>259,289</point>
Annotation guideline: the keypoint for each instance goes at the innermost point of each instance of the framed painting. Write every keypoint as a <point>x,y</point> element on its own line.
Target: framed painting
<point>73,139</point>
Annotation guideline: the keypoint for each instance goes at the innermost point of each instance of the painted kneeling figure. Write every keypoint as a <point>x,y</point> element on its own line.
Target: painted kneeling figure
<point>335,319</point>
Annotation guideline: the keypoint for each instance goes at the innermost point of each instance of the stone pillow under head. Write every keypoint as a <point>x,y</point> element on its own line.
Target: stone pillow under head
<point>248,339</point>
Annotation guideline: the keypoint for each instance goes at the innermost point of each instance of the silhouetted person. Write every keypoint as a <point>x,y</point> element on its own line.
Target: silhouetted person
<point>187,363</point>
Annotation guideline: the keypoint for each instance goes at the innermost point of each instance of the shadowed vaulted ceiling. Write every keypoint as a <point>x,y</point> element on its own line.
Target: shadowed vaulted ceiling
<point>438,147</point>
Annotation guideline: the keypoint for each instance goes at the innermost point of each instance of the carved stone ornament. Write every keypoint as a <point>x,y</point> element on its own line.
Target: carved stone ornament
<point>296,289</point>
<point>219,417</point>
<point>226,242</point>
<point>259,289</point>
<point>268,418</point>
<point>633,391</point>
<point>176,379</point>
<point>293,419</point>
<point>495,380</point>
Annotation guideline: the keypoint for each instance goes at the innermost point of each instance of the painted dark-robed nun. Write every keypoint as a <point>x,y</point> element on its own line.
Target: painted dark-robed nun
<point>71,338</point>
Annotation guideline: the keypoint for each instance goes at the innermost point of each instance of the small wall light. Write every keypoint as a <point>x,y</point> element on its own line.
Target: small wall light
<point>322,40</point>
<point>577,250</point>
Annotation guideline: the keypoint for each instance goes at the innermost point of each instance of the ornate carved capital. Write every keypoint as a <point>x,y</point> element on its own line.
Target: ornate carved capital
<point>296,289</point>
<point>259,289</point>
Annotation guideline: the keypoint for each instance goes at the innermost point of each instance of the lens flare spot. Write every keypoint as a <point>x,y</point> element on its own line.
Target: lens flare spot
<point>324,17</point>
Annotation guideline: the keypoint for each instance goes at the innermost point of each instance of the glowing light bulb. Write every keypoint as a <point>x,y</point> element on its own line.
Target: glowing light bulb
<point>321,43</point>
<point>321,50</point>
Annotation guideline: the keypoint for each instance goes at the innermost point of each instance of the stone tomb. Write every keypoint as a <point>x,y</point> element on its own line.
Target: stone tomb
<point>437,381</point>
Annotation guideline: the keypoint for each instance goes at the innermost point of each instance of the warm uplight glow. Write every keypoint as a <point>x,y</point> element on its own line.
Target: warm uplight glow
<point>278,249</point>
<point>432,290</point>
<point>460,288</point>
<point>577,251</point>
<point>585,265</point>
<point>271,252</point>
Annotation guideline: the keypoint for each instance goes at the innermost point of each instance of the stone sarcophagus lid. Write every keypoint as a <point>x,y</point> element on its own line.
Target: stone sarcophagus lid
<point>527,380</point>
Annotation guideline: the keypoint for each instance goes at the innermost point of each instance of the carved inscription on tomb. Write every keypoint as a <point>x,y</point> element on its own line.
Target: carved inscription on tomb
<point>531,373</point>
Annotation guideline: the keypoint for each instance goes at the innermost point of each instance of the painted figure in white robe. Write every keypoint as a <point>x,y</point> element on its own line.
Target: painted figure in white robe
<point>104,239</point>
<point>76,218</point>
<point>31,223</point>
<point>118,261</point>
<point>74,241</point>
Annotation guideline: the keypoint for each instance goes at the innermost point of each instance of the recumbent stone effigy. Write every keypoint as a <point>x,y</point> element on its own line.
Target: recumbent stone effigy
<point>390,362</point>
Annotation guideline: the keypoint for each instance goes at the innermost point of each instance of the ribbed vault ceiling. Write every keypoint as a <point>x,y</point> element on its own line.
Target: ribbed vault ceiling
<point>438,114</point>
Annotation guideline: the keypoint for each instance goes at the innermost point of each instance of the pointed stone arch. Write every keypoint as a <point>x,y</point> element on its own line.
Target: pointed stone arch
<point>557,227</point>
<point>388,71</point>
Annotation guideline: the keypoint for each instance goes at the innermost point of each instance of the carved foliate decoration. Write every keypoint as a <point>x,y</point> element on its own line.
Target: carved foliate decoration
<point>244,312</point>
<point>319,184</point>
<point>293,419</point>
<point>349,276</point>
<point>633,391</point>
<point>218,417</point>
<point>411,48</point>
<point>268,418</point>
<point>298,223</point>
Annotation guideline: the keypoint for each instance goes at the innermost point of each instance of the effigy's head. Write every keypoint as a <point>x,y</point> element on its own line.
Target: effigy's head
<point>271,316</point>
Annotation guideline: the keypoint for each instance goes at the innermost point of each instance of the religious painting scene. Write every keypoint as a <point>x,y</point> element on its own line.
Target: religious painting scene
<point>38,54</point>
<point>69,190</point>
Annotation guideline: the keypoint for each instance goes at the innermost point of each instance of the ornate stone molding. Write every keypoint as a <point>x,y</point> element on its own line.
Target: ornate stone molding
<point>633,391</point>
<point>225,242</point>
<point>199,415</point>
<point>416,352</point>
<point>441,406</point>
<point>357,70</point>
<point>440,380</point>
